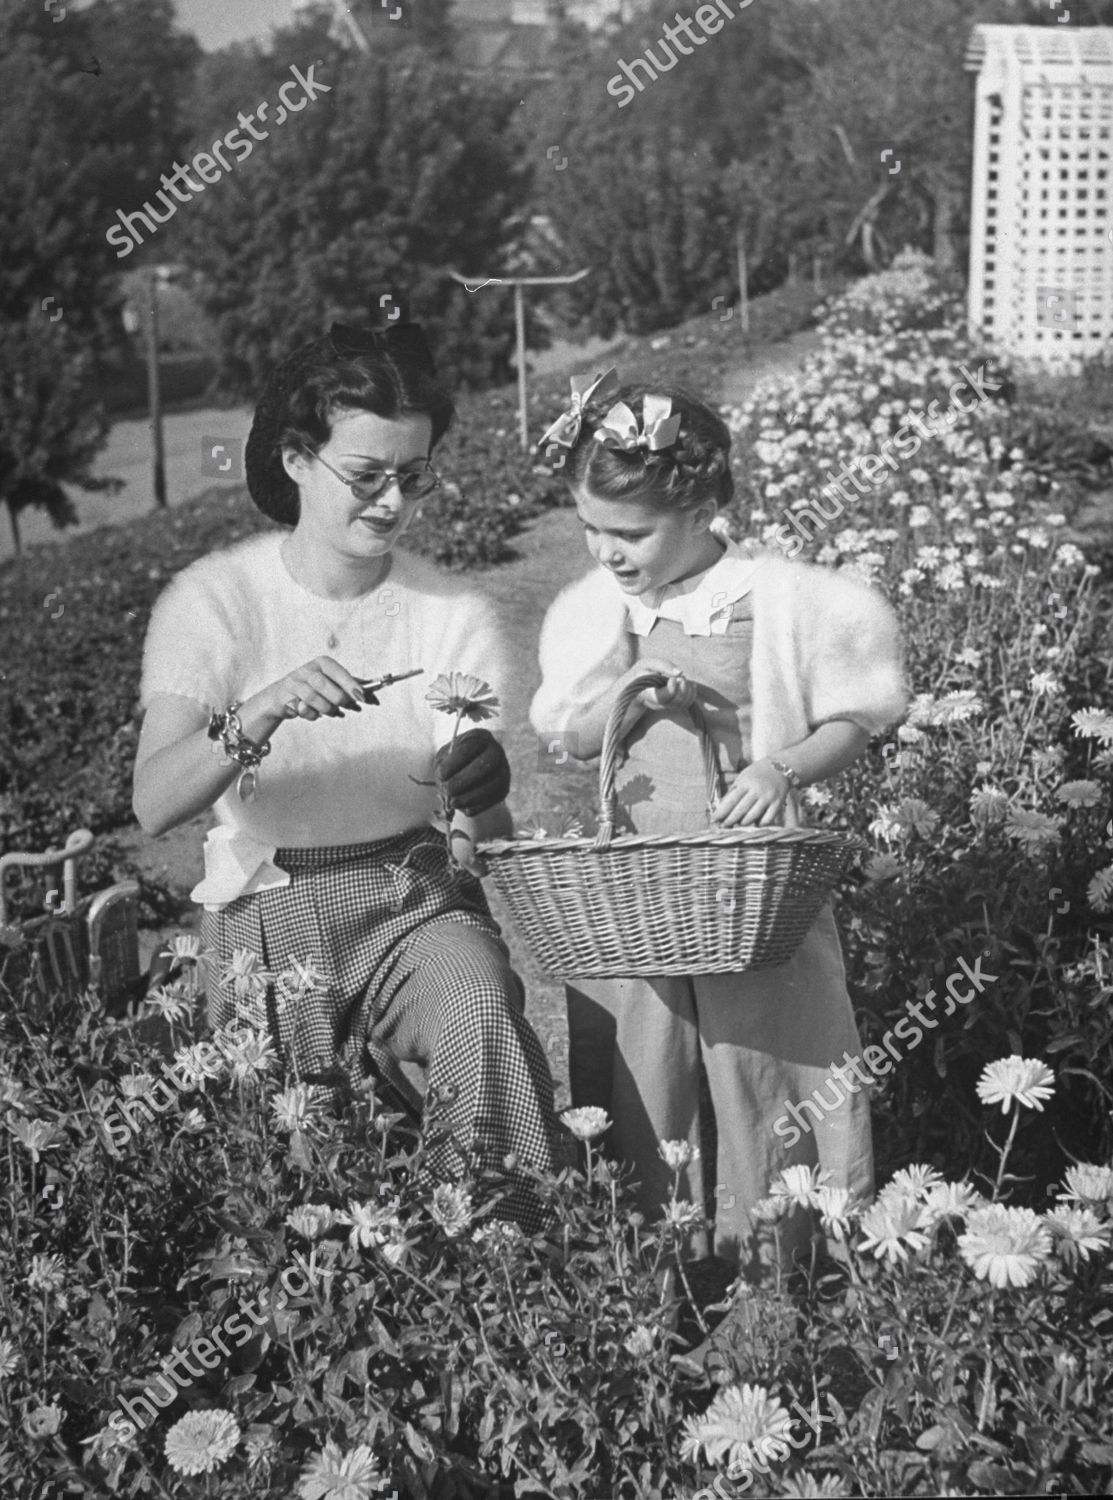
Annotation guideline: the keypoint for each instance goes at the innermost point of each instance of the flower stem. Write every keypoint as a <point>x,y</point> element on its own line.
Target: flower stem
<point>1004,1153</point>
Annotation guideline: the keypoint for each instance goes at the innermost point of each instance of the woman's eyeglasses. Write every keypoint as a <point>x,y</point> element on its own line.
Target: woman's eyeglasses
<point>412,482</point>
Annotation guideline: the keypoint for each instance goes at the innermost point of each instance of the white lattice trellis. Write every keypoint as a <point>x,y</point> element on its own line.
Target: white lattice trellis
<point>1041,253</point>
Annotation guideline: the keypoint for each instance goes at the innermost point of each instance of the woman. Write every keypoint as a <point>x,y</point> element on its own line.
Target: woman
<point>323,850</point>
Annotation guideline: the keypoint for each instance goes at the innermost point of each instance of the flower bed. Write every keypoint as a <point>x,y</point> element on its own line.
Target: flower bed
<point>213,1285</point>
<point>988,810</point>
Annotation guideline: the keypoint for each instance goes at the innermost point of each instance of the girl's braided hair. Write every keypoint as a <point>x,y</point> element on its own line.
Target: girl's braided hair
<point>693,469</point>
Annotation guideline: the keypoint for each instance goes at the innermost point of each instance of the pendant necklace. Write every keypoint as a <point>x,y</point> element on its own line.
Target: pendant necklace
<point>333,632</point>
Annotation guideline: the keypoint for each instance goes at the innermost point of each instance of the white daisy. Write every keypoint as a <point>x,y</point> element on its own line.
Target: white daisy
<point>1003,1245</point>
<point>1024,1080</point>
<point>1079,793</point>
<point>1089,1184</point>
<point>892,1227</point>
<point>451,1208</point>
<point>293,1108</point>
<point>201,1441</point>
<point>311,1220</point>
<point>676,1154</point>
<point>587,1123</point>
<point>1077,1232</point>
<point>336,1475</point>
<point>743,1427</point>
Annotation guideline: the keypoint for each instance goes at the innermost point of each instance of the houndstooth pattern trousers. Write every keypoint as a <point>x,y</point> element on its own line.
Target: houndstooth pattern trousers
<point>415,970</point>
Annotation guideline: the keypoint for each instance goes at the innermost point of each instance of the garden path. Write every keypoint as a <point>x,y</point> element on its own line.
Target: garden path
<point>551,554</point>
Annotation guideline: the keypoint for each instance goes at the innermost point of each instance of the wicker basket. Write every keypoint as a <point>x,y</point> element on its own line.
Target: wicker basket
<point>715,902</point>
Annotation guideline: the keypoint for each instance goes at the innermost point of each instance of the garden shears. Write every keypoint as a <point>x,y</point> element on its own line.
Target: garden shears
<point>371,685</point>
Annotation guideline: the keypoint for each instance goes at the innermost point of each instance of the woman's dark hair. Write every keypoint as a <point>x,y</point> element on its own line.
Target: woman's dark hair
<point>695,468</point>
<point>386,372</point>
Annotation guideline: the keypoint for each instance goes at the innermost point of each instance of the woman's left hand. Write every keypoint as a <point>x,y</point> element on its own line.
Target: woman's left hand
<point>757,796</point>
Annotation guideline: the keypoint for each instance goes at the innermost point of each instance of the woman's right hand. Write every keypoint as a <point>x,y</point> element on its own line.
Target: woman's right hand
<point>322,688</point>
<point>678,692</point>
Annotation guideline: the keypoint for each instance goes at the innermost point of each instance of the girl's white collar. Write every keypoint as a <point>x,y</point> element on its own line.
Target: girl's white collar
<point>701,604</point>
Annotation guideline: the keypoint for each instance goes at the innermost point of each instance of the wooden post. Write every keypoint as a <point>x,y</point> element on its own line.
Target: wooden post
<point>743,296</point>
<point>154,394</point>
<point>520,345</point>
<point>518,282</point>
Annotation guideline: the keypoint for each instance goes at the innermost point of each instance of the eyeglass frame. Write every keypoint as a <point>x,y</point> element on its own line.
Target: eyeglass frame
<point>396,474</point>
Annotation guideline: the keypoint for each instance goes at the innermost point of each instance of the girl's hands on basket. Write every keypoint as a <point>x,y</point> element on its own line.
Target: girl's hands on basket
<point>320,689</point>
<point>678,692</point>
<point>757,796</point>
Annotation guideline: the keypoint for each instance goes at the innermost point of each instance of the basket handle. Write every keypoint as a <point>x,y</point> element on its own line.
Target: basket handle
<point>608,763</point>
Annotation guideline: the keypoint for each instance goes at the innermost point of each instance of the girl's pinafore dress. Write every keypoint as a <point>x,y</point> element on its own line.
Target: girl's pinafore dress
<point>766,1039</point>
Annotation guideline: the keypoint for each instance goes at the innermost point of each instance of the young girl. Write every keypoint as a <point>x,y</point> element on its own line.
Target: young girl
<point>794,668</point>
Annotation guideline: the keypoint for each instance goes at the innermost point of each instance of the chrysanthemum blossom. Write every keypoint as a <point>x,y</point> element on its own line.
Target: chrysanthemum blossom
<point>950,1200</point>
<point>35,1136</point>
<point>335,1475</point>
<point>892,1227</point>
<point>1004,1246</point>
<point>1087,1183</point>
<point>799,1185</point>
<point>9,1359</point>
<point>244,971</point>
<point>914,1180</point>
<point>371,1223</point>
<point>1032,830</point>
<point>169,1002</point>
<point>47,1273</point>
<point>1093,724</point>
<point>835,1210</point>
<point>744,1426</point>
<point>201,1441</point>
<point>311,1220</point>
<point>681,1215</point>
<point>1078,1233</point>
<point>461,693</point>
<point>804,1486</point>
<point>1023,1080</point>
<point>640,1341</point>
<point>451,1208</point>
<point>676,1154</point>
<point>293,1108</point>
<point>588,1122</point>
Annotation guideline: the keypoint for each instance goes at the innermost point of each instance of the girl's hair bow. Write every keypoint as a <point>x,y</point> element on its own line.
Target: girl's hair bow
<point>566,429</point>
<point>619,428</point>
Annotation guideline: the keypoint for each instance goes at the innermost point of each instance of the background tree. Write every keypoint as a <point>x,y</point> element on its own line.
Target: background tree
<point>84,120</point>
<point>403,170</point>
<point>649,197</point>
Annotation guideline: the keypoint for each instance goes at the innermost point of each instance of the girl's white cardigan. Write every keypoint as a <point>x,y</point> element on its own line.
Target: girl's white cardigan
<point>825,647</point>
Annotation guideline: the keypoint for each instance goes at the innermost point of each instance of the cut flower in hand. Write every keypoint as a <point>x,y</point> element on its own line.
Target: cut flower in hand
<point>467,697</point>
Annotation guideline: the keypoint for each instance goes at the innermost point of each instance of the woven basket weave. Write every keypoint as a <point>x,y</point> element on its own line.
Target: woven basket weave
<point>715,902</point>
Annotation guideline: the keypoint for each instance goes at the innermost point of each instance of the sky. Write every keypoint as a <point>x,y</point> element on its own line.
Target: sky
<point>215,23</point>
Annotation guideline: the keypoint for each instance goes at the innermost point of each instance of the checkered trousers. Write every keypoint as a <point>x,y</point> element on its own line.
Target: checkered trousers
<point>414,970</point>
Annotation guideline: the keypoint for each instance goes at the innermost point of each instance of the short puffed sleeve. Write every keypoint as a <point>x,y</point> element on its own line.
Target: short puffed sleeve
<point>191,641</point>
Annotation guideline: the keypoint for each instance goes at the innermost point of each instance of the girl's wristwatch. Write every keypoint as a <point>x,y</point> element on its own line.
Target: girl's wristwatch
<point>791,776</point>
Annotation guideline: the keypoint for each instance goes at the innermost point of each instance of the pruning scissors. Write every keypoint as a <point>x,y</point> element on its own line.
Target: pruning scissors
<point>371,685</point>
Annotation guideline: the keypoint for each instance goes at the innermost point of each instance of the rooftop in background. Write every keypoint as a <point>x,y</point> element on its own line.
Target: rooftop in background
<point>1039,46</point>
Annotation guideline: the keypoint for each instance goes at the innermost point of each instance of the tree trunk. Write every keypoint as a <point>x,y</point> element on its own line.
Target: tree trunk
<point>13,517</point>
<point>945,205</point>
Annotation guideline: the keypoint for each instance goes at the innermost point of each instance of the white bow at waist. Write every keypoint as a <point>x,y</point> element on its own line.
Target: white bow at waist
<point>236,865</point>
